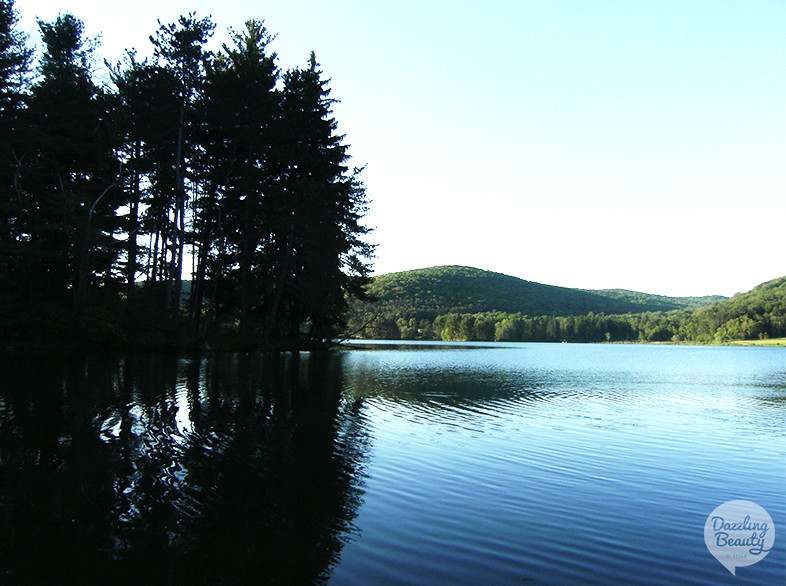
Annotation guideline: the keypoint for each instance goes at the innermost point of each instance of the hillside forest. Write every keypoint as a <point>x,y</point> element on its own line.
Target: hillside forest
<point>466,304</point>
<point>216,167</point>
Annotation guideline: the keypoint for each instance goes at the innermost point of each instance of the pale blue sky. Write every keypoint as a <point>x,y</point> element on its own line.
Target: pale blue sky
<point>589,143</point>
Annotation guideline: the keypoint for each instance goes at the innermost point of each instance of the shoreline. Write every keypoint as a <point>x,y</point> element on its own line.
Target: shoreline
<point>349,344</point>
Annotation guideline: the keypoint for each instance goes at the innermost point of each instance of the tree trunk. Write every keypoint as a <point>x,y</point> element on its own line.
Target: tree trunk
<point>83,268</point>
<point>245,273</point>
<point>174,282</point>
<point>131,244</point>
<point>279,285</point>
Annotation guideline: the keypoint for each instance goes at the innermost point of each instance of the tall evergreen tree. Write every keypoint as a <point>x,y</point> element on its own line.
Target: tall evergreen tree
<point>129,91</point>
<point>101,189</point>
<point>179,48</point>
<point>68,182</point>
<point>148,108</point>
<point>240,107</point>
<point>15,61</point>
<point>317,251</point>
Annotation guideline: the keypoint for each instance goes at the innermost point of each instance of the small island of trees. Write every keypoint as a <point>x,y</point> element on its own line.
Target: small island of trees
<point>194,198</point>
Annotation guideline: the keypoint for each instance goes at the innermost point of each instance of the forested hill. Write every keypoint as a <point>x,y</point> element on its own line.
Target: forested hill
<point>427,293</point>
<point>664,303</point>
<point>761,312</point>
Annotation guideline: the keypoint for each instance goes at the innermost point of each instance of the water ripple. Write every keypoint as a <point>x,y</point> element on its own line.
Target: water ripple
<point>525,466</point>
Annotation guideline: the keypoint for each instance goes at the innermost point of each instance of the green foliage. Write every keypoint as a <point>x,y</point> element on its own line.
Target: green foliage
<point>65,177</point>
<point>99,326</point>
<point>15,58</point>
<point>104,192</point>
<point>405,298</point>
<point>657,302</point>
<point>427,293</point>
<point>758,314</point>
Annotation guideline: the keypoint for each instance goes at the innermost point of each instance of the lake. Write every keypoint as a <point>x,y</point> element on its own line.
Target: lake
<point>389,464</point>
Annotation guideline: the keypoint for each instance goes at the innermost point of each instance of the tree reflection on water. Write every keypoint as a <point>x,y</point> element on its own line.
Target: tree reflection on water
<point>208,469</point>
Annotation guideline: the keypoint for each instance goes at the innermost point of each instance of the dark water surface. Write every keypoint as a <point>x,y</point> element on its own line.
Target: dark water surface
<point>521,464</point>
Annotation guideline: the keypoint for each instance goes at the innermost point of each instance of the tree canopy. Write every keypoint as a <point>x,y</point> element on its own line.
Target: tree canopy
<point>466,304</point>
<point>199,198</point>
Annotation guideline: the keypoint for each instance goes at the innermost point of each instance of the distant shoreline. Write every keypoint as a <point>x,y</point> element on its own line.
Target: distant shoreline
<point>366,344</point>
<point>380,344</point>
<point>774,342</point>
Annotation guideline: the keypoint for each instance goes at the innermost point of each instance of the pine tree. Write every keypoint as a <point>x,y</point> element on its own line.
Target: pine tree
<point>147,123</point>
<point>15,61</point>
<point>317,251</point>
<point>100,190</point>
<point>68,180</point>
<point>179,47</point>
<point>239,107</point>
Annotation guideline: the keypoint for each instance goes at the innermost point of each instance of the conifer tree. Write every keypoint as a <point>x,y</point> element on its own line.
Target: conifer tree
<point>15,61</point>
<point>101,190</point>
<point>68,179</point>
<point>147,122</point>
<point>179,48</point>
<point>239,108</point>
<point>317,251</point>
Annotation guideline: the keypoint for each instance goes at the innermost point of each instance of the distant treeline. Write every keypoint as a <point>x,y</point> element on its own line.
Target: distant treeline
<point>759,314</point>
<point>219,166</point>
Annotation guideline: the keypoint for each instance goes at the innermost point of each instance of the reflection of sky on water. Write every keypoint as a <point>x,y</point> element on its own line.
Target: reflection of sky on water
<point>110,428</point>
<point>183,416</point>
<point>624,449</point>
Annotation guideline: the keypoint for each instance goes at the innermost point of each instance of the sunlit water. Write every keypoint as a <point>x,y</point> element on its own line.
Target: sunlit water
<point>424,464</point>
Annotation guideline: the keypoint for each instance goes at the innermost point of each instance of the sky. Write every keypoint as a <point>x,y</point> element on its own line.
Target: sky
<point>592,144</point>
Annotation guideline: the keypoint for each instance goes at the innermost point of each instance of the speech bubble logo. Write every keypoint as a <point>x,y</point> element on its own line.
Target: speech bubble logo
<point>739,533</point>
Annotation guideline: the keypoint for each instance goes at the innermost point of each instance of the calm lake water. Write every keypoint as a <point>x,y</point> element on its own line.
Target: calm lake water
<point>420,464</point>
